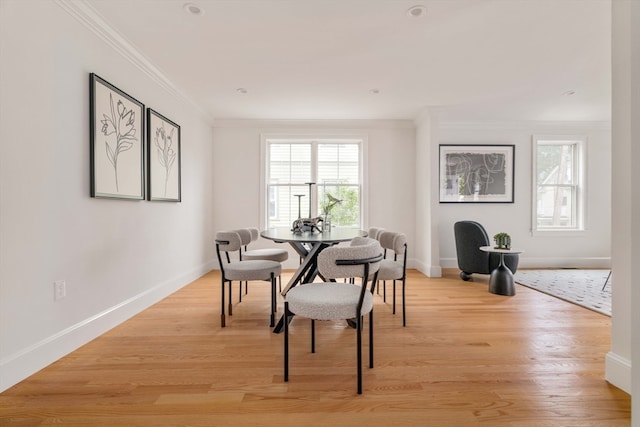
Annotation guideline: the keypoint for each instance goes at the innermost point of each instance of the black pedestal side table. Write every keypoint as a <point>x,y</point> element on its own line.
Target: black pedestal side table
<point>501,279</point>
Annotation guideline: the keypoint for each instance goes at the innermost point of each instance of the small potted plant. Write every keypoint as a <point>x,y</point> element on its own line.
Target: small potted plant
<point>503,241</point>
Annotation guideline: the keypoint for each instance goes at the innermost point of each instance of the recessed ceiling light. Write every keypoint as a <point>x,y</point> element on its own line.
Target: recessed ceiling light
<point>193,9</point>
<point>569,93</point>
<point>417,11</point>
<point>241,90</point>
<point>374,91</point>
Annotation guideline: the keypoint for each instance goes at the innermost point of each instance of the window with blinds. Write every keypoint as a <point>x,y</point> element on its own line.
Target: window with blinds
<point>333,166</point>
<point>559,183</point>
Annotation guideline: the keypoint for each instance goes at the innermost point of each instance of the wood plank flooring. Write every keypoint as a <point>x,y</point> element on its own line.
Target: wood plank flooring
<point>466,357</point>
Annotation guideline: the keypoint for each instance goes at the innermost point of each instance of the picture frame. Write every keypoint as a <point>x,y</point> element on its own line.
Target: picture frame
<point>117,126</point>
<point>164,158</point>
<point>476,173</point>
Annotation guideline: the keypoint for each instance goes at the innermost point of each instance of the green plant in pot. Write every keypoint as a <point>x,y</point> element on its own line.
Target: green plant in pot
<point>503,241</point>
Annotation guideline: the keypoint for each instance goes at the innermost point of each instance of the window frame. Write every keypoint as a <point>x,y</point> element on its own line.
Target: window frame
<point>313,138</point>
<point>579,172</point>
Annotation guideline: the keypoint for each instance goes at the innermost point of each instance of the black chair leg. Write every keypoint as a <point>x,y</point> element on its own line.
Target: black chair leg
<point>222,319</point>
<point>359,352</point>
<point>371,339</point>
<point>272,322</point>
<point>384,291</point>
<point>404,310</point>
<point>394,297</point>
<point>286,342</point>
<point>230,302</point>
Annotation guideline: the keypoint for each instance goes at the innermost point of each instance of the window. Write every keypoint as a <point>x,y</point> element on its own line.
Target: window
<point>333,165</point>
<point>558,165</point>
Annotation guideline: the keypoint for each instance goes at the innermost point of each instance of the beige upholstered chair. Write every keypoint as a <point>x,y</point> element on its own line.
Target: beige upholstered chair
<point>248,235</point>
<point>228,242</point>
<point>374,232</point>
<point>337,300</point>
<point>393,268</point>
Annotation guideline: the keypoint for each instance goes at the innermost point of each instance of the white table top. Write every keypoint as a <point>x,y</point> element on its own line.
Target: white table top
<point>500,251</point>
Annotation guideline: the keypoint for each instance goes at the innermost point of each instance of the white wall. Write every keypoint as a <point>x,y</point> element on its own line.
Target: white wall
<point>116,256</point>
<point>624,358</point>
<point>588,249</point>
<point>390,164</point>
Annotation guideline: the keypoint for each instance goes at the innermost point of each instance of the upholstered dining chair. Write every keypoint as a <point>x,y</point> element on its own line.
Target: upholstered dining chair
<point>338,300</point>
<point>274,254</point>
<point>248,235</point>
<point>374,232</point>
<point>228,242</point>
<point>469,236</point>
<point>394,266</point>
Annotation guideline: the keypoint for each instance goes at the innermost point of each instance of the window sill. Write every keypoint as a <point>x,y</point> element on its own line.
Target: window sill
<point>558,233</point>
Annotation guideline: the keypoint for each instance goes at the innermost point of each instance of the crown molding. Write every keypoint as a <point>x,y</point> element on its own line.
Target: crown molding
<point>346,124</point>
<point>528,125</point>
<point>93,21</point>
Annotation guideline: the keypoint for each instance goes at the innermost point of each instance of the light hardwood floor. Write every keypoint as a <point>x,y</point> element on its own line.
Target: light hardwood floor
<point>466,357</point>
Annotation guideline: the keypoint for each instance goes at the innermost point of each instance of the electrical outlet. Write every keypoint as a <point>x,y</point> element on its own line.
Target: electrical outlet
<point>59,290</point>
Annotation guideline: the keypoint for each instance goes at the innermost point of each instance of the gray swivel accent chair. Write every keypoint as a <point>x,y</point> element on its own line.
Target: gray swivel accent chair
<point>470,235</point>
<point>228,242</point>
<point>338,300</point>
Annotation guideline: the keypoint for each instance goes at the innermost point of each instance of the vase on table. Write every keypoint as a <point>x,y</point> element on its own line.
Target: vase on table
<point>326,223</point>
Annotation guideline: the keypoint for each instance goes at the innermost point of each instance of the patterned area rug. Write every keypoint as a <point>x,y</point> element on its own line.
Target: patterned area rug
<point>581,287</point>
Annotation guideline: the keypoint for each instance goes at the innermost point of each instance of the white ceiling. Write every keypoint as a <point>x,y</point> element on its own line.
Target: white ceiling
<point>320,59</point>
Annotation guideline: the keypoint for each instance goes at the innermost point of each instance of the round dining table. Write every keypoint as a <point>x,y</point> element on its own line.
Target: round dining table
<point>308,245</point>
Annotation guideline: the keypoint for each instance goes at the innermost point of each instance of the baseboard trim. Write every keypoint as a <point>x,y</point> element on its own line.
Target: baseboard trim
<point>26,362</point>
<point>618,371</point>
<point>541,262</point>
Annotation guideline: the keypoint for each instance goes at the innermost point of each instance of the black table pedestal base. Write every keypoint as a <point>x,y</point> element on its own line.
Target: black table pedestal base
<point>501,281</point>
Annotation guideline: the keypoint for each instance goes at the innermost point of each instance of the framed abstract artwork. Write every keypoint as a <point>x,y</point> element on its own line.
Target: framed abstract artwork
<point>476,173</point>
<point>117,142</point>
<point>163,158</point>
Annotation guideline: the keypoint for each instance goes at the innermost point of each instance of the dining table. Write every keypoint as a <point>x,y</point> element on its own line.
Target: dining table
<point>308,245</point>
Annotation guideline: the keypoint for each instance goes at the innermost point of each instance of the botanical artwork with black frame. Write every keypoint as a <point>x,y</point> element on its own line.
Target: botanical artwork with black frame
<point>476,173</point>
<point>117,142</point>
<point>164,158</point>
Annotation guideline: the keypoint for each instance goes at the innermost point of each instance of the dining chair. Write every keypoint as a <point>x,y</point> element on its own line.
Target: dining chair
<point>248,235</point>
<point>273,254</point>
<point>374,232</point>
<point>338,300</point>
<point>228,242</point>
<point>391,268</point>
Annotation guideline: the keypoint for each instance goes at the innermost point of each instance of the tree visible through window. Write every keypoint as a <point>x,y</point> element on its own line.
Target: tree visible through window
<point>334,166</point>
<point>558,181</point>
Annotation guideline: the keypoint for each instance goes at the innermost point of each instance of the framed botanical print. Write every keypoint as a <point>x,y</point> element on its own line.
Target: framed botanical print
<point>163,158</point>
<point>117,142</point>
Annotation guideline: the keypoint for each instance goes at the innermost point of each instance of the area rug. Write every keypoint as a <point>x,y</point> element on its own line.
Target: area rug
<point>581,287</point>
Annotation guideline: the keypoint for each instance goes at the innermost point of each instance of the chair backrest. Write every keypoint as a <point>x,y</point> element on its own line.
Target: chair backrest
<point>228,241</point>
<point>361,248</point>
<point>397,242</point>
<point>470,235</point>
<point>245,235</point>
<point>254,233</point>
<point>374,232</point>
